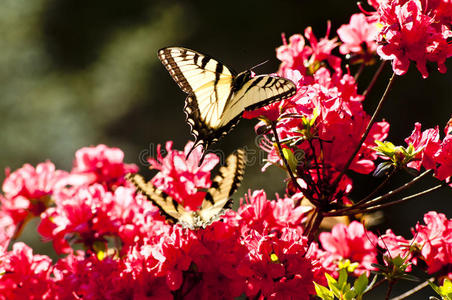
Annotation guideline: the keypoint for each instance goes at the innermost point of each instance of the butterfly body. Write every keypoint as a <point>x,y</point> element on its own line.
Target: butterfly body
<point>217,199</point>
<point>218,96</point>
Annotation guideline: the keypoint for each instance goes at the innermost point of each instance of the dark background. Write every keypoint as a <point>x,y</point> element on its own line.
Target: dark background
<point>75,73</point>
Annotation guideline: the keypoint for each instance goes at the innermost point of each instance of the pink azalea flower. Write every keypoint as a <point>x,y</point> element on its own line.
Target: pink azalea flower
<point>444,158</point>
<point>276,268</point>
<point>411,33</point>
<point>7,230</point>
<point>397,246</point>
<point>322,49</point>
<point>181,177</point>
<point>353,243</point>
<point>427,142</point>
<point>101,164</point>
<point>260,214</point>
<point>28,190</point>
<point>25,274</point>
<point>359,37</point>
<point>435,240</point>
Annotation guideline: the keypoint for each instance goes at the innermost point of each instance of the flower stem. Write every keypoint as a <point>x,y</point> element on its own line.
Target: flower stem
<point>388,292</point>
<point>374,78</point>
<point>361,203</point>
<point>360,70</point>
<point>281,154</point>
<point>378,188</point>
<point>413,290</point>
<point>377,207</point>
<point>366,132</point>
<point>318,218</point>
<point>380,206</point>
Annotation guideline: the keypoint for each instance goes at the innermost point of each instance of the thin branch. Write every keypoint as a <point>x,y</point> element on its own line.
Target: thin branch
<point>413,290</point>
<point>388,292</point>
<point>380,198</point>
<point>396,191</point>
<point>366,132</point>
<point>317,166</point>
<point>380,206</point>
<point>360,70</point>
<point>374,79</point>
<point>281,154</point>
<point>318,218</point>
<point>377,189</point>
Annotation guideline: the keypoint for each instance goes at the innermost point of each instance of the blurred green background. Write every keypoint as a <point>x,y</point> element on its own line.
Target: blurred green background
<point>75,73</point>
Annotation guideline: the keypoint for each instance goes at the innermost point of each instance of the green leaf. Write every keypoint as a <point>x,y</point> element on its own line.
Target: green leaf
<point>291,160</point>
<point>323,292</point>
<point>349,295</point>
<point>333,285</point>
<point>342,280</point>
<point>445,291</point>
<point>360,284</point>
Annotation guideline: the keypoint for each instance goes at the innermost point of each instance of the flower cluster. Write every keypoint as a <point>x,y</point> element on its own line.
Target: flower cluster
<point>431,244</point>
<point>131,252</point>
<point>115,244</point>
<point>425,149</point>
<point>323,118</point>
<point>414,31</point>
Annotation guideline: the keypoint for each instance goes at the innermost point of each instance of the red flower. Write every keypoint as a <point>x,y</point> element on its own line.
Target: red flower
<point>322,49</point>
<point>397,246</point>
<point>435,240</point>
<point>182,178</point>
<point>359,37</point>
<point>7,230</point>
<point>444,158</point>
<point>276,268</point>
<point>27,190</point>
<point>294,54</point>
<point>353,243</point>
<point>101,164</point>
<point>260,214</point>
<point>427,143</point>
<point>24,275</point>
<point>409,34</point>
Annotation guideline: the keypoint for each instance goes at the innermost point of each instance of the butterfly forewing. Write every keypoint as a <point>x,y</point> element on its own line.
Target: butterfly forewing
<point>257,92</point>
<point>216,97</point>
<point>202,77</point>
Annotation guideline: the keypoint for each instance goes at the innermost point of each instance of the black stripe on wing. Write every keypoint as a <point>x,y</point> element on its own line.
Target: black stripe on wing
<point>167,59</point>
<point>158,198</point>
<point>204,134</point>
<point>229,178</point>
<point>277,85</point>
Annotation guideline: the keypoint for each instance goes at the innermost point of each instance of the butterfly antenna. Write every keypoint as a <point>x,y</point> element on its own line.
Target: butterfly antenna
<point>258,65</point>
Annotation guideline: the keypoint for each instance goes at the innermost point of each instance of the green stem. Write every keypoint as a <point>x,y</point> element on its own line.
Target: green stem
<point>361,203</point>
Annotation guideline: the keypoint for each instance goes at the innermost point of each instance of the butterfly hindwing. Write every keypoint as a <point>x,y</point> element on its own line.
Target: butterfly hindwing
<point>216,201</point>
<point>218,197</point>
<point>167,205</point>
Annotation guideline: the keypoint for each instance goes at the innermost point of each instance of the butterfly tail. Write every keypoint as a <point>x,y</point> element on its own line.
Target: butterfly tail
<point>204,148</point>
